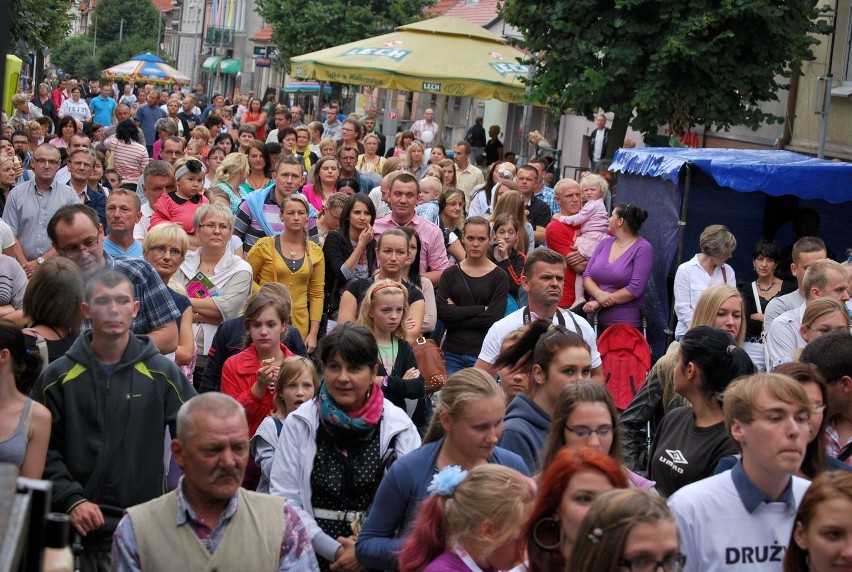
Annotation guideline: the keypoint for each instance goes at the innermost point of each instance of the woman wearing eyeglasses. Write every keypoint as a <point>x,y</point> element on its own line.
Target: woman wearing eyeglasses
<point>164,248</point>
<point>558,357</point>
<point>217,282</point>
<point>628,530</point>
<point>690,440</point>
<point>585,416</point>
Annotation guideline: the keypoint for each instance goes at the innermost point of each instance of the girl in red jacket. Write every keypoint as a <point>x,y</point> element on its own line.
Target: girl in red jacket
<point>249,377</point>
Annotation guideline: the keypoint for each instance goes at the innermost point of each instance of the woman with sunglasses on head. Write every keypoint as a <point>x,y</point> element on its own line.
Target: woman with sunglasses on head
<point>297,262</point>
<point>464,431</point>
<point>708,361</point>
<point>630,530</point>
<point>558,357</point>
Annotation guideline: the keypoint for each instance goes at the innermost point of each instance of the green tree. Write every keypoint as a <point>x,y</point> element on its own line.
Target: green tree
<point>74,57</point>
<point>117,51</point>
<point>300,27</point>
<point>677,62</point>
<point>140,19</point>
<point>39,23</point>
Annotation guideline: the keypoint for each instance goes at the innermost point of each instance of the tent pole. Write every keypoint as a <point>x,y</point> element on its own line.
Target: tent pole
<point>670,332</point>
<point>442,102</point>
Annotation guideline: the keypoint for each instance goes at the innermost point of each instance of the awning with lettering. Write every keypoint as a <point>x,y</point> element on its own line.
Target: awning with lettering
<point>444,55</point>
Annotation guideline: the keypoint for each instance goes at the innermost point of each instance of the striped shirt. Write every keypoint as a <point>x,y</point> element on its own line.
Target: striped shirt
<point>130,159</point>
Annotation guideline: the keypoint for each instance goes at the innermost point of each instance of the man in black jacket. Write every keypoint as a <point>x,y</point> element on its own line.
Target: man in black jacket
<point>111,398</point>
<point>598,142</point>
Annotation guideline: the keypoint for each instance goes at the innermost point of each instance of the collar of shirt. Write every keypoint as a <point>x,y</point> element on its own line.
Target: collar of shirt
<point>415,220</point>
<point>751,496</point>
<point>185,513</point>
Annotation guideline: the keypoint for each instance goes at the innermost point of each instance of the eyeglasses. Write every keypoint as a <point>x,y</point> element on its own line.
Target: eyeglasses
<point>823,331</point>
<point>211,226</point>
<point>818,406</point>
<point>161,250</point>
<point>51,162</point>
<point>80,164</point>
<point>586,432</point>
<point>673,563</point>
<point>76,251</point>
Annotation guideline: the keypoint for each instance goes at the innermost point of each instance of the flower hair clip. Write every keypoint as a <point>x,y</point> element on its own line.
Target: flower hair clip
<point>596,535</point>
<point>445,482</point>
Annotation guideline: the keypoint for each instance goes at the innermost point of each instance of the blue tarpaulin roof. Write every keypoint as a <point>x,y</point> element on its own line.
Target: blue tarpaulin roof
<point>772,172</point>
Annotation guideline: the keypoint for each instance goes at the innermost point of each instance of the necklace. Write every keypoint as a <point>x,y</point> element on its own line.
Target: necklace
<point>625,246</point>
<point>768,288</point>
<point>252,179</point>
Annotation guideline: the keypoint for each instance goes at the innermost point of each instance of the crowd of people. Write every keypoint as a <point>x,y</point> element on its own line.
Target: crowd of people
<point>209,317</point>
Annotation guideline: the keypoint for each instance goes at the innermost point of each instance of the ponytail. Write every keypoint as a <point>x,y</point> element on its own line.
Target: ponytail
<point>716,354</point>
<point>428,538</point>
<point>27,364</point>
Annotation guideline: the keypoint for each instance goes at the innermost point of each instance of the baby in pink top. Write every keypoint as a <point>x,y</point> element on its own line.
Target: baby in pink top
<point>181,205</point>
<point>593,223</point>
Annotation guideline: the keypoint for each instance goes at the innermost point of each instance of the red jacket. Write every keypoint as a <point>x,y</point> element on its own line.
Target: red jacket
<point>238,376</point>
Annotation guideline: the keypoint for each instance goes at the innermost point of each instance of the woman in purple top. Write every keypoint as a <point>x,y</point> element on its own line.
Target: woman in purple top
<point>618,271</point>
<point>470,523</point>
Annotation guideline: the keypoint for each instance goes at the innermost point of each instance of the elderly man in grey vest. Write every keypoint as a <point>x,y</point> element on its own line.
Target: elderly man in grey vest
<point>209,522</point>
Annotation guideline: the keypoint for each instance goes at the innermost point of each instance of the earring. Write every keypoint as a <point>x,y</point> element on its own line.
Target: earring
<point>551,522</point>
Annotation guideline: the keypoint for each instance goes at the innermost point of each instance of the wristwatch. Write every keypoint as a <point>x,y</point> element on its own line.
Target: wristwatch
<point>40,260</point>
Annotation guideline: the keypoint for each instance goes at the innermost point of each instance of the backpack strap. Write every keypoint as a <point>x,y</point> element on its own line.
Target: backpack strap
<point>41,346</point>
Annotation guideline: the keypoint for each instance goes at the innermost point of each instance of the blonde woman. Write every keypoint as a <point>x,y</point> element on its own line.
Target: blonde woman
<point>293,260</point>
<point>369,161</point>
<point>230,175</point>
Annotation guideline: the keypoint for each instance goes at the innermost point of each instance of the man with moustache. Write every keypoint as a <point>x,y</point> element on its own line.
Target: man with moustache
<point>237,529</point>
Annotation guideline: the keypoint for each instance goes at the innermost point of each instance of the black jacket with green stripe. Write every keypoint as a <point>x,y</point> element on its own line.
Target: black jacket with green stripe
<point>107,439</point>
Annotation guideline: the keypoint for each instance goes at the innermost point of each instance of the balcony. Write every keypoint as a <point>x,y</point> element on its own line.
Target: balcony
<point>217,36</point>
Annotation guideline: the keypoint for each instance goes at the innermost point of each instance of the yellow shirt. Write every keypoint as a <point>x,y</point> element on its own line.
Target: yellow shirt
<point>306,285</point>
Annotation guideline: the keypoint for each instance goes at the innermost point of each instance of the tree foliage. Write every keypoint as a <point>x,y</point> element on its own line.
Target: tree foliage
<point>140,19</point>
<point>74,55</point>
<point>39,23</point>
<point>677,62</point>
<point>300,27</point>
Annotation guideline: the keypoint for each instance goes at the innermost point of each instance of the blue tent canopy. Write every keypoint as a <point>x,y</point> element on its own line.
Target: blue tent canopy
<point>756,194</point>
<point>775,173</point>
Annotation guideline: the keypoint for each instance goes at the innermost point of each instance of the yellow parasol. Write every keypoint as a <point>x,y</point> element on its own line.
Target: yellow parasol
<point>444,55</point>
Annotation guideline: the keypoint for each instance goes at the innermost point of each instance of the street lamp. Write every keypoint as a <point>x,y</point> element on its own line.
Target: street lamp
<point>196,53</point>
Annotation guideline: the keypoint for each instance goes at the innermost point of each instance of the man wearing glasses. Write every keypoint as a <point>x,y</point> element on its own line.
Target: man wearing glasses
<point>81,162</point>
<point>31,204</point>
<point>76,233</point>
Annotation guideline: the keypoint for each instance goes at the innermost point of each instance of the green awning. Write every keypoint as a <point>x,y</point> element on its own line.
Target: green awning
<point>209,64</point>
<point>231,66</point>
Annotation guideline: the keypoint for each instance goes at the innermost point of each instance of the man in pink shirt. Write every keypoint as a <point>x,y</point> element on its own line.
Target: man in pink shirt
<point>402,199</point>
